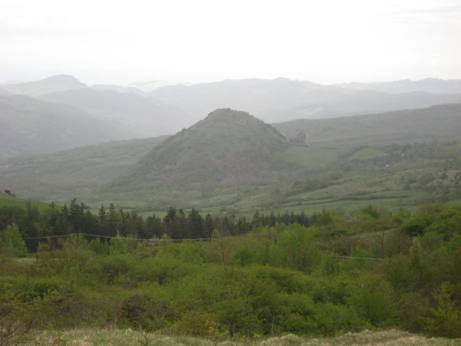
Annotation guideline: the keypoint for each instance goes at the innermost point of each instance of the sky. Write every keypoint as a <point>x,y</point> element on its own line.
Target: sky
<point>189,41</point>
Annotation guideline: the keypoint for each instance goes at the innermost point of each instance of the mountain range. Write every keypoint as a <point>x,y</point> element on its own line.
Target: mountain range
<point>124,112</point>
<point>283,99</point>
<point>60,138</point>
<point>125,108</point>
<point>231,158</point>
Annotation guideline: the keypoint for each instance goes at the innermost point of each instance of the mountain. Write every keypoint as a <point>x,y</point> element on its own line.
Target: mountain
<point>283,99</point>
<point>30,126</point>
<point>72,173</point>
<point>45,86</point>
<point>404,126</point>
<point>227,148</point>
<point>428,85</point>
<point>140,116</point>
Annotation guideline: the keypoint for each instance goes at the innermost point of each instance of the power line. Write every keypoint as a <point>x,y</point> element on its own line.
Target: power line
<point>91,235</point>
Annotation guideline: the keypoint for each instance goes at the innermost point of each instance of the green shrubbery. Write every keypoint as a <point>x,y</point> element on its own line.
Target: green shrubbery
<point>273,280</point>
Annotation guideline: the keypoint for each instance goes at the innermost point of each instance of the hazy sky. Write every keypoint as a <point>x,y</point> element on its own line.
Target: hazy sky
<point>327,41</point>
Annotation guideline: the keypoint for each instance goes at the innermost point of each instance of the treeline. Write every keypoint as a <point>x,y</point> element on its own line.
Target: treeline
<point>110,222</point>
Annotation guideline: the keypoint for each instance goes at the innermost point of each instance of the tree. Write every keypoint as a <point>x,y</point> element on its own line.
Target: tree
<point>195,225</point>
<point>445,319</point>
<point>11,241</point>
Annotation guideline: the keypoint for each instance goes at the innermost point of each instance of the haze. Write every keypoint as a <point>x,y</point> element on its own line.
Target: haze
<point>195,41</point>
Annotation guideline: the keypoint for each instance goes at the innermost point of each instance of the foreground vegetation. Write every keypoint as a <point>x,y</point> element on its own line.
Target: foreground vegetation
<point>372,269</point>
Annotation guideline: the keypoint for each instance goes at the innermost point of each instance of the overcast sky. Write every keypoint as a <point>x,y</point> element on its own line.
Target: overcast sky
<point>326,41</point>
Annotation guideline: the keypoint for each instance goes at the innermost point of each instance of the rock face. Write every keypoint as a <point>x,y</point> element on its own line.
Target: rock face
<point>227,147</point>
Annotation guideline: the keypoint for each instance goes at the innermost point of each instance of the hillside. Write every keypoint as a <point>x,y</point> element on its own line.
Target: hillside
<point>404,126</point>
<point>283,99</point>
<point>72,173</point>
<point>30,126</point>
<point>228,148</point>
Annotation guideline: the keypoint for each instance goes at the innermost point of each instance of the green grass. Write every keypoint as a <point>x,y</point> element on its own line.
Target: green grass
<point>313,158</point>
<point>89,337</point>
<point>367,153</point>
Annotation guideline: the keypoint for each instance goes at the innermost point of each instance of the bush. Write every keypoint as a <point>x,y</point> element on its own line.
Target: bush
<point>445,318</point>
<point>196,323</point>
<point>146,311</point>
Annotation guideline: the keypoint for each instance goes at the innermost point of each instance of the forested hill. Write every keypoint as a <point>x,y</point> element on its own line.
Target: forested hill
<point>75,172</point>
<point>227,147</point>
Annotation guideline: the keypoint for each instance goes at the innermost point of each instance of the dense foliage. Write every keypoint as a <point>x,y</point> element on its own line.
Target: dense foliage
<point>55,221</point>
<point>371,269</point>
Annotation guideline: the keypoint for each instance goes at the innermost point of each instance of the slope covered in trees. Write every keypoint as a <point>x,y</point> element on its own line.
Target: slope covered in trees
<point>76,172</point>
<point>228,148</point>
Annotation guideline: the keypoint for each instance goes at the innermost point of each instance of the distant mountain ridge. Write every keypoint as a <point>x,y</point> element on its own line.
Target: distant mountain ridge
<point>283,99</point>
<point>45,86</point>
<point>427,85</point>
<point>150,109</point>
<point>127,108</point>
<point>30,126</point>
